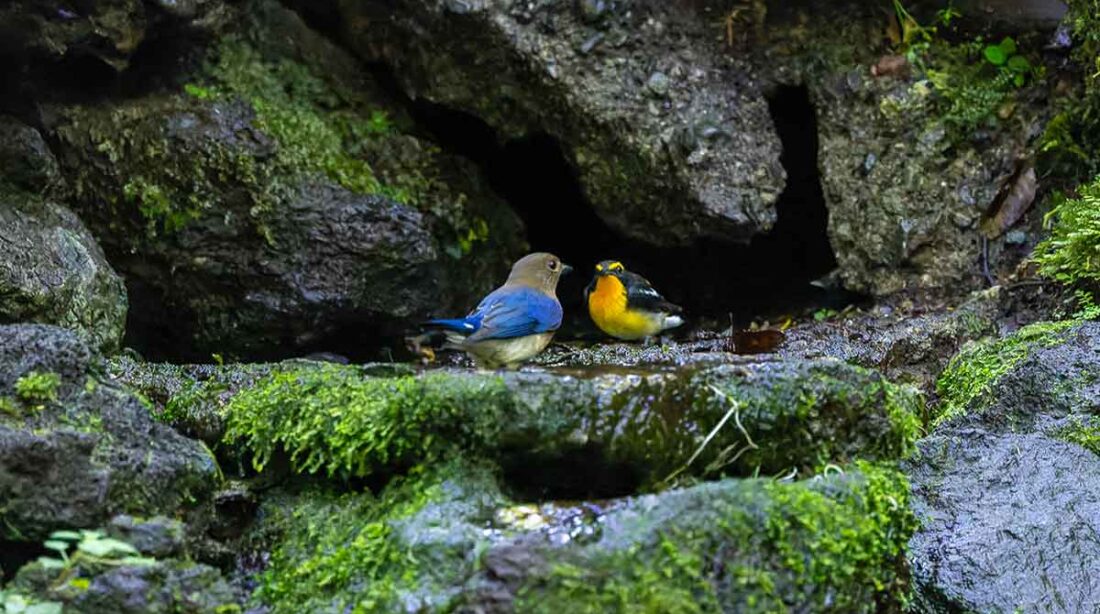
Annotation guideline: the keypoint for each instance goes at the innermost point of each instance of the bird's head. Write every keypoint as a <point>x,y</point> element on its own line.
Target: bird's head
<point>539,270</point>
<point>609,267</point>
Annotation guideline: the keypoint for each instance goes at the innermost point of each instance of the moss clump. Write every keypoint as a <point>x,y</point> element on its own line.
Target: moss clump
<point>360,553</point>
<point>38,388</point>
<point>1071,254</point>
<point>1084,432</point>
<point>334,419</point>
<point>766,420</point>
<point>967,382</point>
<point>750,546</point>
<point>287,98</point>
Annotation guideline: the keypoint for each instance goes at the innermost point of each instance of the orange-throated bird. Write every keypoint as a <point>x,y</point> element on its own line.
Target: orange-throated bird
<point>625,305</point>
<point>514,322</point>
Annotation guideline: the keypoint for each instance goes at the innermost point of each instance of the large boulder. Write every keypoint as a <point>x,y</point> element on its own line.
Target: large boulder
<point>52,270</point>
<point>446,538</point>
<point>671,138</point>
<point>271,204</point>
<point>75,450</point>
<point>1005,487</point>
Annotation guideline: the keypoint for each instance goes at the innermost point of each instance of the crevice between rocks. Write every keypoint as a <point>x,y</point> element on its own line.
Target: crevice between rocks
<point>713,279</point>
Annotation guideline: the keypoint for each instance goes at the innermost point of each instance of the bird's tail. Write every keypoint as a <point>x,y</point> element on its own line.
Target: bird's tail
<point>458,325</point>
<point>455,331</point>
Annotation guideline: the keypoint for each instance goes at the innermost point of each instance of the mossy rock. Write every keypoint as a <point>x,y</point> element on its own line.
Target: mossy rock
<point>597,433</point>
<point>170,585</point>
<point>446,539</point>
<point>1005,484</point>
<point>256,199</point>
<point>75,450</point>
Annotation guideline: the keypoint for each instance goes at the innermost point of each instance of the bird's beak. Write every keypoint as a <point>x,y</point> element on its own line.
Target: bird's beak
<point>566,269</point>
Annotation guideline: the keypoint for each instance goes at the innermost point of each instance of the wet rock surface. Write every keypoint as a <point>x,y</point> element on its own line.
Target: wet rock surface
<point>75,450</point>
<point>1006,491</point>
<point>52,270</point>
<point>645,105</point>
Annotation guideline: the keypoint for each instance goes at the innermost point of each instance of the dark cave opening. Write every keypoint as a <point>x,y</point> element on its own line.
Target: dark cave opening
<point>710,279</point>
<point>15,554</point>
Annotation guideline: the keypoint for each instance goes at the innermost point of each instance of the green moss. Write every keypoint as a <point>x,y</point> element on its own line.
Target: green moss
<point>167,181</point>
<point>334,419</point>
<point>287,98</point>
<point>800,417</point>
<point>1083,431</point>
<point>345,552</point>
<point>773,419</point>
<point>967,382</point>
<point>9,406</point>
<point>38,388</point>
<point>757,546</point>
<point>155,206</point>
<point>1071,254</point>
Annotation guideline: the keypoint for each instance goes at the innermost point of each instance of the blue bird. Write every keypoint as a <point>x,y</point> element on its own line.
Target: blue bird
<point>514,322</point>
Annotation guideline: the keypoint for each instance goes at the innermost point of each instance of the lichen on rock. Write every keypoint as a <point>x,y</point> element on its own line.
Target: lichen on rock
<point>52,270</point>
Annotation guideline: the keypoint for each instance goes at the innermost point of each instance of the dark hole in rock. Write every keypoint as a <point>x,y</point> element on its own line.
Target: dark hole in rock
<point>15,554</point>
<point>582,472</point>
<point>709,279</point>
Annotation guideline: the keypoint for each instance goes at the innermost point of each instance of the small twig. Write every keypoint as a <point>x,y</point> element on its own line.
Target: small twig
<point>734,411</point>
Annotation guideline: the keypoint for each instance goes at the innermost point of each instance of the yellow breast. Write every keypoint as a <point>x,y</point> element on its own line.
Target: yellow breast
<point>607,306</point>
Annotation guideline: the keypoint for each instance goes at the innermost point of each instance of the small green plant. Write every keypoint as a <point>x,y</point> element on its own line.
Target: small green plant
<point>1071,254</point>
<point>1003,55</point>
<point>38,388</point>
<point>92,548</point>
<point>156,207</point>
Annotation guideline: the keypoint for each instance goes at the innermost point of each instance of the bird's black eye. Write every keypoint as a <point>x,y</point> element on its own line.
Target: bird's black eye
<point>553,265</point>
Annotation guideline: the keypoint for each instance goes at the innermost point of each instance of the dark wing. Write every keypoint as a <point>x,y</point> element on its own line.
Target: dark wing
<point>640,294</point>
<point>589,289</point>
<point>516,312</point>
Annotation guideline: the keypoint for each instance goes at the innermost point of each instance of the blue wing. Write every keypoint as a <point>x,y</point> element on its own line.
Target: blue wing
<point>515,312</point>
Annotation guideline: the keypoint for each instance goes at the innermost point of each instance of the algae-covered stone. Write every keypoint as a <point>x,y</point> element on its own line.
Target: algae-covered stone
<point>670,137</point>
<point>445,539</point>
<point>52,271</point>
<point>75,450</point>
<point>409,549</point>
<point>1005,487</point>
<point>611,432</point>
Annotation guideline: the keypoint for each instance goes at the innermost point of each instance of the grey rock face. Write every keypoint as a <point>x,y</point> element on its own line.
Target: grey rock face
<point>76,451</point>
<point>670,136</point>
<point>1008,507</point>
